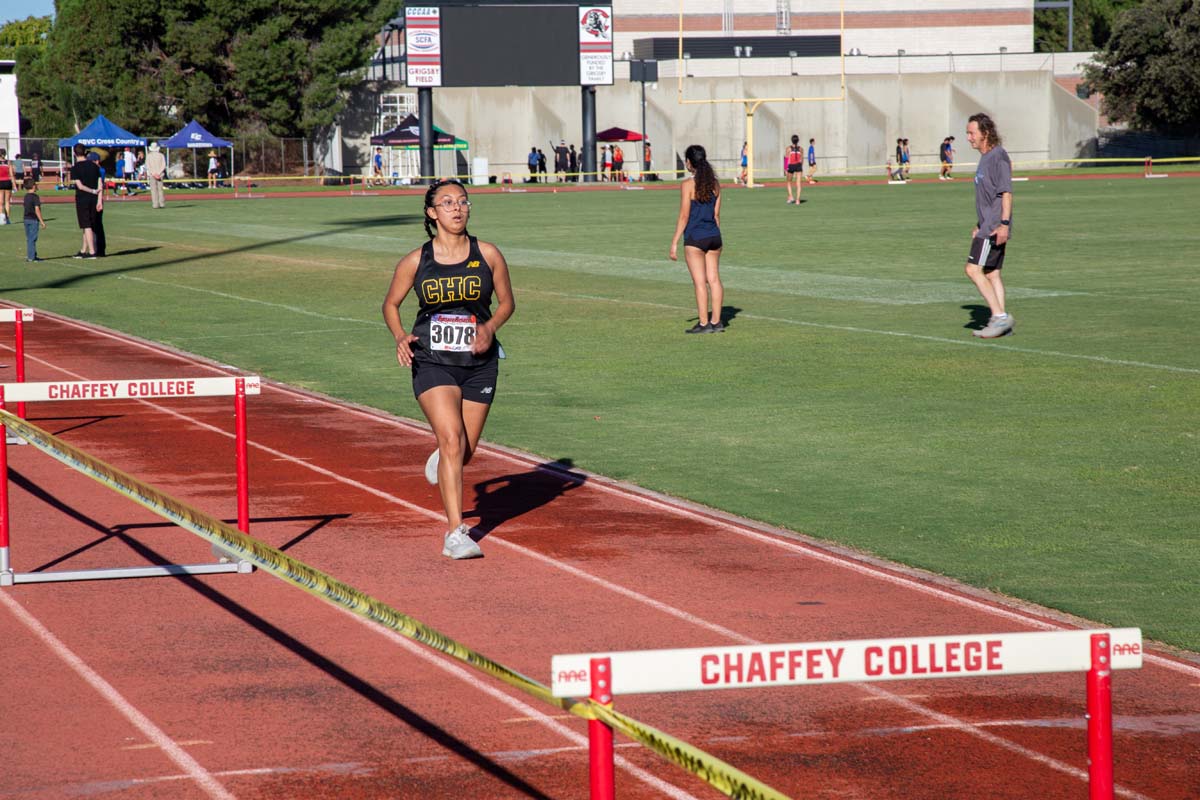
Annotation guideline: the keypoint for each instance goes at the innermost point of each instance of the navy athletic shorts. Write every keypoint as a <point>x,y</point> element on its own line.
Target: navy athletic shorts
<point>705,243</point>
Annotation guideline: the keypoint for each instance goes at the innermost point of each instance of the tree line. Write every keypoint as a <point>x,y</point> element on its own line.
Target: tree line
<point>239,67</point>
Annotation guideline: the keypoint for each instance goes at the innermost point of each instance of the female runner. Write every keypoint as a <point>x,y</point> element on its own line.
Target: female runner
<point>700,225</point>
<point>452,347</point>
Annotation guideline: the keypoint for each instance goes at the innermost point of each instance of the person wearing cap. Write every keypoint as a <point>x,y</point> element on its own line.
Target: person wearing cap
<point>560,160</point>
<point>156,172</point>
<point>214,169</point>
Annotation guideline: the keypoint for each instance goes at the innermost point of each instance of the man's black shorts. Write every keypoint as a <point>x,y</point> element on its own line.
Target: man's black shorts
<point>478,384</point>
<point>986,253</point>
<point>705,243</point>
<point>85,213</point>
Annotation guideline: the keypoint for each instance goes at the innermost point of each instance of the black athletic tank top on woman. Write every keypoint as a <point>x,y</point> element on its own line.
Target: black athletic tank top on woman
<point>454,298</point>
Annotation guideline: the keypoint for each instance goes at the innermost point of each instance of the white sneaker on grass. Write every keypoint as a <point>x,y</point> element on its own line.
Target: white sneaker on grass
<point>999,325</point>
<point>431,467</point>
<point>459,544</point>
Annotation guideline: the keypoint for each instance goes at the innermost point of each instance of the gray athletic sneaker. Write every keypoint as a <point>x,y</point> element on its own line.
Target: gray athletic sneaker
<point>431,466</point>
<point>459,544</point>
<point>997,326</point>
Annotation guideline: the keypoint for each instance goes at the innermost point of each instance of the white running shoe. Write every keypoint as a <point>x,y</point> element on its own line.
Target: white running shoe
<point>431,467</point>
<point>459,544</point>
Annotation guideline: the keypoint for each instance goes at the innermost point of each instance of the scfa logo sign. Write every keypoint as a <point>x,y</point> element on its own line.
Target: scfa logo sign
<point>424,41</point>
<point>597,22</point>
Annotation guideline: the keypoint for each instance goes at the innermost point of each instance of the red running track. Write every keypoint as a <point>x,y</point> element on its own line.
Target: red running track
<point>243,686</point>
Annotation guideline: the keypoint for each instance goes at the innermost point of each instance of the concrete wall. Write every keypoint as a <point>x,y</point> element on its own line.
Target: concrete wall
<point>1037,118</point>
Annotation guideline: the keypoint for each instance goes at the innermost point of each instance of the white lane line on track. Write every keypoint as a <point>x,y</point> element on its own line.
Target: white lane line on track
<point>809,550</point>
<point>203,778</point>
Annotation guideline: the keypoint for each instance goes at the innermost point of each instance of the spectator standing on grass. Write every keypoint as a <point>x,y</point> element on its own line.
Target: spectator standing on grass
<point>949,158</point>
<point>560,161</point>
<point>156,172</point>
<point>214,169</point>
<point>35,167</point>
<point>377,167</point>
<point>745,163</point>
<point>18,165</point>
<point>533,164</point>
<point>452,347</point>
<point>907,159</point>
<point>993,222</point>
<point>699,223</point>
<point>541,165</point>
<point>605,161</point>
<point>85,176</point>
<point>6,188</point>
<point>120,170</point>
<point>33,219</point>
<point>647,175</point>
<point>572,165</point>
<point>812,160</point>
<point>618,163</point>
<point>101,239</point>
<point>795,168</point>
<point>130,171</point>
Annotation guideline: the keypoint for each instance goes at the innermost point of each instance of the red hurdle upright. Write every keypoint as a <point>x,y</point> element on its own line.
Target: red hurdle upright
<point>18,316</point>
<point>136,389</point>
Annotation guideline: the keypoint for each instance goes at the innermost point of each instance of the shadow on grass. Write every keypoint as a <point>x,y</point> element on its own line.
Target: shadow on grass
<point>979,317</point>
<point>502,499</point>
<point>73,280</point>
<point>359,686</point>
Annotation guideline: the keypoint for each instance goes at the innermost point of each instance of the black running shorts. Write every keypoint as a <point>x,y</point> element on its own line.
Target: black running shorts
<point>704,243</point>
<point>85,215</point>
<point>986,253</point>
<point>478,384</point>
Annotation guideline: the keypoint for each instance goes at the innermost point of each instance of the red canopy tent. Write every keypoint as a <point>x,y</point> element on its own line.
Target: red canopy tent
<point>618,135</point>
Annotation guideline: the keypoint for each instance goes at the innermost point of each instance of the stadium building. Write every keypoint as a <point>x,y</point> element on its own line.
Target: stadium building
<point>855,78</point>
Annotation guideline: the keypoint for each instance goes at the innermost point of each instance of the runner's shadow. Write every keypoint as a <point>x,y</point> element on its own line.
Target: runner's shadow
<point>729,314</point>
<point>80,422</point>
<point>979,317</point>
<point>499,500</point>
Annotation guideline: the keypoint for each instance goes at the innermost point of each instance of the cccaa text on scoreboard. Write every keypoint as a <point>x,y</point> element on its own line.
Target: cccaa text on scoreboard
<point>858,661</point>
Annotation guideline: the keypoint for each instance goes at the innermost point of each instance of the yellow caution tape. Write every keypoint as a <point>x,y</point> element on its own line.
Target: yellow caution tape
<point>718,774</point>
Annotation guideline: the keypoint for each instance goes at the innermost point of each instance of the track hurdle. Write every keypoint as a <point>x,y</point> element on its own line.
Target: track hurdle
<point>1096,652</point>
<point>136,389</point>
<point>248,194</point>
<point>18,316</point>
<point>1149,170</point>
<point>365,182</point>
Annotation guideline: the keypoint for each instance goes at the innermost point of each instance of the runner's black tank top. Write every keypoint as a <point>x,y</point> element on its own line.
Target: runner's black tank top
<point>453,298</point>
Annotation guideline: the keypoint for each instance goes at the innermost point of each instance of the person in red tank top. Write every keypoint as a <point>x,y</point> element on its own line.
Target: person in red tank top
<point>6,187</point>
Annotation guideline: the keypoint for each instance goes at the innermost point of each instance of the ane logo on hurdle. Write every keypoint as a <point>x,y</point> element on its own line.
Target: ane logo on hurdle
<point>128,389</point>
<point>601,676</point>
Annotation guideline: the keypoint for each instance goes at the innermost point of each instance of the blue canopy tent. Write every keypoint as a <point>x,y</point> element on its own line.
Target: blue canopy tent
<point>195,137</point>
<point>100,132</point>
<point>103,132</point>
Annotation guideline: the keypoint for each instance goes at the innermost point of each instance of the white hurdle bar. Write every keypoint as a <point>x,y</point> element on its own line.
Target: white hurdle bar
<point>1096,652</point>
<point>133,389</point>
<point>18,316</point>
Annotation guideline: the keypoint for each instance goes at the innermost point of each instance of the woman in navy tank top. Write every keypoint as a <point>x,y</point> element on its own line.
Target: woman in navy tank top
<point>452,347</point>
<point>699,224</point>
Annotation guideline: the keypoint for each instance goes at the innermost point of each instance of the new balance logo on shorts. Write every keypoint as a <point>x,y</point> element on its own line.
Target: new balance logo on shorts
<point>486,390</point>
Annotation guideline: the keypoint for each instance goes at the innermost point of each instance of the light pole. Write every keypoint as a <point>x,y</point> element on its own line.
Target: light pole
<point>643,70</point>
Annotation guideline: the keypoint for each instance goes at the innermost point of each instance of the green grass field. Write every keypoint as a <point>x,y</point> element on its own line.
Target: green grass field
<point>847,400</point>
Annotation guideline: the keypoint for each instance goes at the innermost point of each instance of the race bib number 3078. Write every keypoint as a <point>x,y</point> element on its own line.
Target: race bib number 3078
<point>451,332</point>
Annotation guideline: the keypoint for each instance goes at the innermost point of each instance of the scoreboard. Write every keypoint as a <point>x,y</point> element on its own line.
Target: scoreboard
<point>509,43</point>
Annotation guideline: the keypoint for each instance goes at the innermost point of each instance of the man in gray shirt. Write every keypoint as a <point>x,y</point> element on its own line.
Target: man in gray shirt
<point>993,222</point>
